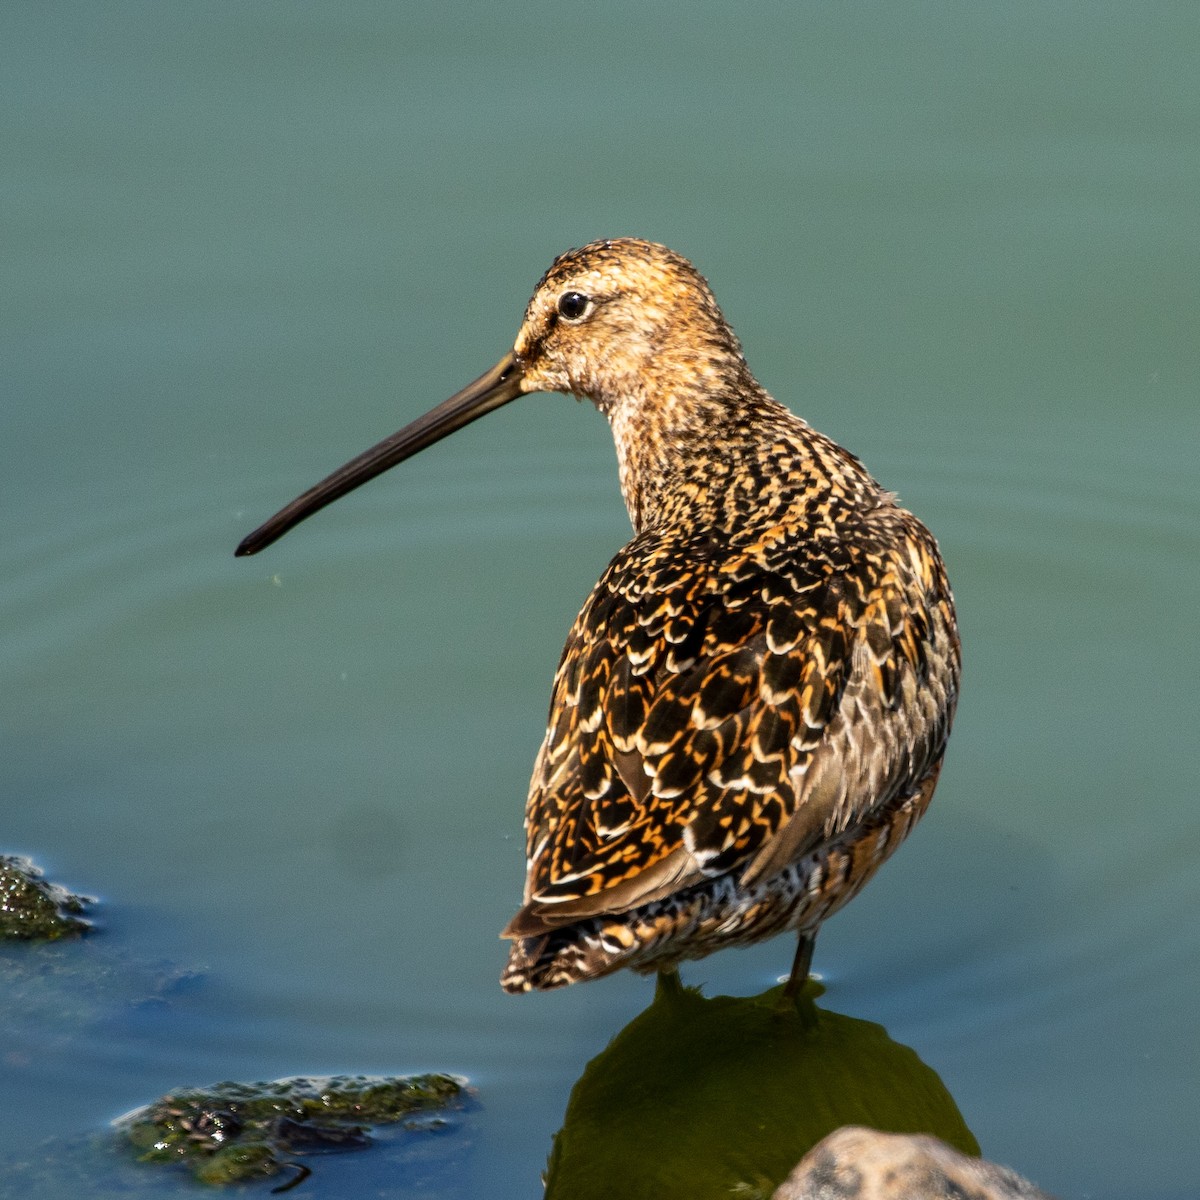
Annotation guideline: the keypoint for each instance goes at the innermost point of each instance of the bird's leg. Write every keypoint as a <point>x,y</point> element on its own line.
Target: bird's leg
<point>800,965</point>
<point>668,984</point>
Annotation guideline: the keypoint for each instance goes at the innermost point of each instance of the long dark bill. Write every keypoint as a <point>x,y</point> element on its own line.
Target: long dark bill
<point>492,389</point>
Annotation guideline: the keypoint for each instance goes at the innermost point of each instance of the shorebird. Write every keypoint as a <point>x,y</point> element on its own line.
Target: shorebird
<point>751,709</point>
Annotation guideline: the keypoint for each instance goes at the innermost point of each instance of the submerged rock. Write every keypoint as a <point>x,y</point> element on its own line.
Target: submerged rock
<point>718,1097</point>
<point>32,909</point>
<point>233,1132</point>
<point>864,1164</point>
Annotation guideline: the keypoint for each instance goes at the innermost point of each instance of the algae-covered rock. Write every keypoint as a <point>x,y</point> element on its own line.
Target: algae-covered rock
<point>32,909</point>
<point>713,1098</point>
<point>233,1132</point>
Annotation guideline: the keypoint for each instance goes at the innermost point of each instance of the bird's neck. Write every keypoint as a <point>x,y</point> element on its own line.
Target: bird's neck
<point>700,458</point>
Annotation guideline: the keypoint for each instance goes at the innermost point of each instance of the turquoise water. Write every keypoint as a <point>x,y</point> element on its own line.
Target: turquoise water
<point>242,243</point>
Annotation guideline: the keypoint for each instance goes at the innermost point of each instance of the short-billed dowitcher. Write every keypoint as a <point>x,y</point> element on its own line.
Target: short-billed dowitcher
<point>751,709</point>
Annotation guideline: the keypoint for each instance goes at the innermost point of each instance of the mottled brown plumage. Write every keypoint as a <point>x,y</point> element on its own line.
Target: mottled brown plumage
<point>751,709</point>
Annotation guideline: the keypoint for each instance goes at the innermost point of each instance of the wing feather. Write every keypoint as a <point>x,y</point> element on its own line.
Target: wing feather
<point>728,712</point>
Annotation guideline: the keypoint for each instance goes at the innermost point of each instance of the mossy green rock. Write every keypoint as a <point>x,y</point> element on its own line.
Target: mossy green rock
<point>233,1132</point>
<point>719,1097</point>
<point>32,909</point>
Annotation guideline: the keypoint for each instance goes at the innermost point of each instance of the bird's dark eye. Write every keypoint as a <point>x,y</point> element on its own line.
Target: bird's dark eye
<point>574,306</point>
